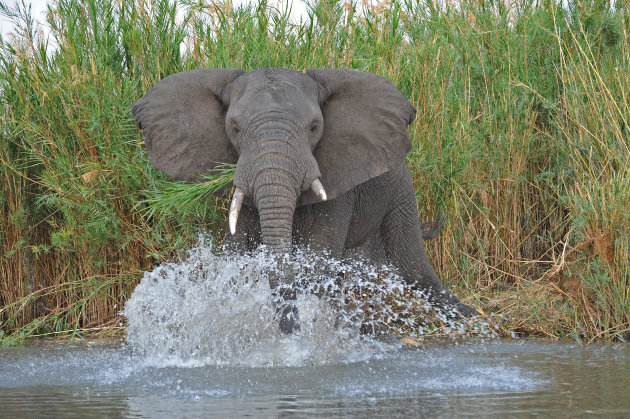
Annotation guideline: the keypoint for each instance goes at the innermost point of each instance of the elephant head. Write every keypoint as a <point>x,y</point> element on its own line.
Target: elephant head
<point>296,138</point>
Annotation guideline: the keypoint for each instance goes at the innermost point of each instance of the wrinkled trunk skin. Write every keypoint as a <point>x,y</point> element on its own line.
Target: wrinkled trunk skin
<point>276,191</point>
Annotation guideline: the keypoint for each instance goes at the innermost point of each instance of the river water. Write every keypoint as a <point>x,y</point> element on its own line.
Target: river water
<point>440,379</point>
<point>203,340</point>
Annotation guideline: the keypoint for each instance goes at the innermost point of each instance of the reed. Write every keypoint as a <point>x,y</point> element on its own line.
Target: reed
<point>521,140</point>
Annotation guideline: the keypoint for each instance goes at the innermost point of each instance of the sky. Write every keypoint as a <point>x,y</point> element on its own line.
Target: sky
<point>39,6</point>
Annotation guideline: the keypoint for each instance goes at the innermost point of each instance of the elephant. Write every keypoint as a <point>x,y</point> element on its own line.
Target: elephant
<point>320,163</point>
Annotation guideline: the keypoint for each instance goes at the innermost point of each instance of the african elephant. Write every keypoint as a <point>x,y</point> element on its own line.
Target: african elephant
<point>320,162</point>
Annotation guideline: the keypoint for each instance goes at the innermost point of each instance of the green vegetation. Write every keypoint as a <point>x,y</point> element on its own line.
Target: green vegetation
<point>522,140</point>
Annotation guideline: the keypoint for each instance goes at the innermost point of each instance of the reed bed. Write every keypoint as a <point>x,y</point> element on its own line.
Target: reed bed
<point>522,141</point>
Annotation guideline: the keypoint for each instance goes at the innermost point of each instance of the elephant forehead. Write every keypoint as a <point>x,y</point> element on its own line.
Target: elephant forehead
<point>281,96</point>
<point>279,76</point>
<point>277,83</point>
<point>276,94</point>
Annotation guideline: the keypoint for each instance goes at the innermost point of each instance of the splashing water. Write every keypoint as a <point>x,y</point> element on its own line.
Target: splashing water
<point>219,310</point>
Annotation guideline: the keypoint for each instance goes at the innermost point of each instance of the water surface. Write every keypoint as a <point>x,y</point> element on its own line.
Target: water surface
<point>441,378</point>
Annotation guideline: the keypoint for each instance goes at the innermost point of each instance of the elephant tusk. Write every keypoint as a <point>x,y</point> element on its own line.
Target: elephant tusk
<point>318,188</point>
<point>235,208</point>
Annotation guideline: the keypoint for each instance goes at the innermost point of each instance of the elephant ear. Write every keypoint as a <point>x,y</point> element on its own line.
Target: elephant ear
<point>365,129</point>
<point>183,122</point>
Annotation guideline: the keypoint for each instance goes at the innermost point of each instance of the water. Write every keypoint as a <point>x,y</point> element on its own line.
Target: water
<point>442,378</point>
<point>210,310</point>
<point>203,340</point>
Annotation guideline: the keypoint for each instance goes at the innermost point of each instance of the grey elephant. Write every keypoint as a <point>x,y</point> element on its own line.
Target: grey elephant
<point>320,162</point>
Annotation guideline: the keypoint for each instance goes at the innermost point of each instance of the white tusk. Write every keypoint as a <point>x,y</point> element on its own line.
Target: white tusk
<point>318,188</point>
<point>235,208</point>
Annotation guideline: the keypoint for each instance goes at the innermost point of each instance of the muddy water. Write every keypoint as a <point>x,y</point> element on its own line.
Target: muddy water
<point>203,340</point>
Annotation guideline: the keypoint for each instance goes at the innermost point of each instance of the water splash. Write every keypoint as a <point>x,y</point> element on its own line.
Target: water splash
<point>219,310</point>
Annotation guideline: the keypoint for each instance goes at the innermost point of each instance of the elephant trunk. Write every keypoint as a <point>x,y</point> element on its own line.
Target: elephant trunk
<point>275,191</point>
<point>274,175</point>
<point>276,199</point>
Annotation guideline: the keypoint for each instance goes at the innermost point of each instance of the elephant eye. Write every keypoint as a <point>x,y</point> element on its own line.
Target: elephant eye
<point>235,128</point>
<point>314,126</point>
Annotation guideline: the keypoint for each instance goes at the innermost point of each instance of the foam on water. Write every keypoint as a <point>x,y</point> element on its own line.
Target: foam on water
<point>219,310</point>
